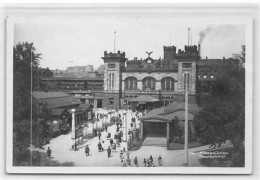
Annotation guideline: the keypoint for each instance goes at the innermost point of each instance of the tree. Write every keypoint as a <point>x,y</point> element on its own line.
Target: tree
<point>25,74</point>
<point>223,115</point>
<point>24,58</point>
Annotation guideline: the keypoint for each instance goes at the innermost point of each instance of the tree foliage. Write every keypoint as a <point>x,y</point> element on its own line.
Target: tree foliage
<point>223,115</point>
<point>25,79</point>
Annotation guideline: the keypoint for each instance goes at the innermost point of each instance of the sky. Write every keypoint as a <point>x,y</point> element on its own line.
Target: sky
<point>82,41</point>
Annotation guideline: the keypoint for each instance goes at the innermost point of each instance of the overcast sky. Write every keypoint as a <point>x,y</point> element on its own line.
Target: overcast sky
<point>83,41</point>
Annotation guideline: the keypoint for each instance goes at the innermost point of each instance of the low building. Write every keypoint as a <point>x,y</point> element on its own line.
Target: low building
<point>60,105</point>
<point>167,123</point>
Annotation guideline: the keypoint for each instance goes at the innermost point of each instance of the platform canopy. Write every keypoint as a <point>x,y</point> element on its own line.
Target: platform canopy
<point>144,98</point>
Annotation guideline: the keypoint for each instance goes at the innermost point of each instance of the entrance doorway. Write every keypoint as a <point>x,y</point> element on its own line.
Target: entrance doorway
<point>155,129</point>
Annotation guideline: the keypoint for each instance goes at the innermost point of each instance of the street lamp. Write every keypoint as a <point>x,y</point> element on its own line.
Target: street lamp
<point>73,130</point>
<point>186,85</point>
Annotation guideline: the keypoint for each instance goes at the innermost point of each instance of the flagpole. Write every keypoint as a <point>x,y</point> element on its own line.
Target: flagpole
<point>186,75</point>
<point>114,41</point>
<point>31,112</point>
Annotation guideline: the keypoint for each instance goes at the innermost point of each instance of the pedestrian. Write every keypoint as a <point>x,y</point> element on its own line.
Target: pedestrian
<point>136,162</point>
<point>87,150</point>
<point>119,138</point>
<point>108,151</point>
<point>121,153</point>
<point>117,142</point>
<point>151,158</point>
<point>49,152</point>
<point>114,147</point>
<point>160,160</point>
<point>116,136</point>
<point>124,162</point>
<point>99,135</point>
<point>131,126</point>
<point>108,135</point>
<point>99,146</point>
<point>144,163</point>
<point>111,142</point>
<point>127,154</point>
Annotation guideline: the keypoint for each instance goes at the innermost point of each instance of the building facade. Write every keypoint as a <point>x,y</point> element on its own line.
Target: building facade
<point>161,78</point>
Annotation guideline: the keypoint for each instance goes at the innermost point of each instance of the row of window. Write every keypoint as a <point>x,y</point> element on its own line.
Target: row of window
<point>167,83</point>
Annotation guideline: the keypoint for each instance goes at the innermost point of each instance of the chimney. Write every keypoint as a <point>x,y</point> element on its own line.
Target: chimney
<point>199,50</point>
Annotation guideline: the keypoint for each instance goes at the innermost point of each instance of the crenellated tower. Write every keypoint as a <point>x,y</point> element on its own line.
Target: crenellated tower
<point>113,65</point>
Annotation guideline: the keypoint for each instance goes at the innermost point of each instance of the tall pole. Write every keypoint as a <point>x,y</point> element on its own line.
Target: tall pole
<point>114,41</point>
<point>191,36</point>
<point>188,36</point>
<point>126,129</point>
<point>73,133</point>
<point>186,119</point>
<point>31,111</point>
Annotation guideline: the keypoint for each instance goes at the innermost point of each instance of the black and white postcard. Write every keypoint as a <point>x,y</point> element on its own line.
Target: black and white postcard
<point>124,89</point>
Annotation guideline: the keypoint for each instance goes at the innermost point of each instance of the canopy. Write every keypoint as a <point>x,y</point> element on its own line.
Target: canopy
<point>144,98</point>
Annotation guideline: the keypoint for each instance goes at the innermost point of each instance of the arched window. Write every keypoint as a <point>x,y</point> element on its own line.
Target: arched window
<point>149,82</point>
<point>167,84</point>
<point>131,83</point>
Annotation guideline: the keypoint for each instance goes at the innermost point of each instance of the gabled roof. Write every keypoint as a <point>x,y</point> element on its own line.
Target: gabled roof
<point>180,106</point>
<point>172,111</point>
<point>57,111</point>
<point>144,98</point>
<point>60,101</point>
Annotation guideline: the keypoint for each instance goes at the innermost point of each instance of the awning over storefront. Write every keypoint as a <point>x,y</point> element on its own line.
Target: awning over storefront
<point>144,98</point>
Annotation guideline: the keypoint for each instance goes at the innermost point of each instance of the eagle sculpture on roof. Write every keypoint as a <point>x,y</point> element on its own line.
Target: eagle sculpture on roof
<point>149,53</point>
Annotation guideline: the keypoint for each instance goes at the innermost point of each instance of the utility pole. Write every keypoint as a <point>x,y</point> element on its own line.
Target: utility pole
<point>73,130</point>
<point>114,41</point>
<point>186,80</point>
<point>31,109</point>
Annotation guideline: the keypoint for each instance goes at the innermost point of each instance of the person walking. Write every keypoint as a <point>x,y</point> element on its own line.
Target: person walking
<point>116,135</point>
<point>124,162</point>
<point>108,135</point>
<point>144,163</point>
<point>99,135</point>
<point>108,152</point>
<point>136,162</point>
<point>87,150</point>
<point>128,154</point>
<point>151,158</point>
<point>114,147</point>
<point>111,142</point>
<point>99,146</point>
<point>121,153</point>
<point>49,152</point>
<point>119,138</point>
<point>160,160</point>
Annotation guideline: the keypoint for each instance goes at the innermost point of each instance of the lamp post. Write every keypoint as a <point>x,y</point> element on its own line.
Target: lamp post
<point>73,130</point>
<point>186,85</point>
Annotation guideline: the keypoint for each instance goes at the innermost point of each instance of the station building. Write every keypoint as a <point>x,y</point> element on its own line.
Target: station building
<point>162,79</point>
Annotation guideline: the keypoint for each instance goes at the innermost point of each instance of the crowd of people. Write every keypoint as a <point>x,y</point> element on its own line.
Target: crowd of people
<point>113,144</point>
